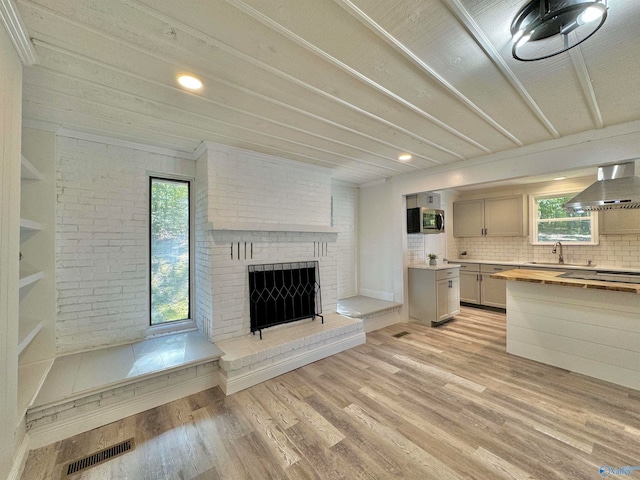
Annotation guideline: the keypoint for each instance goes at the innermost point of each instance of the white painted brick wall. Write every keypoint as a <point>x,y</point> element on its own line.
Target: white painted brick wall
<point>102,241</point>
<point>248,188</point>
<point>345,218</point>
<point>203,262</point>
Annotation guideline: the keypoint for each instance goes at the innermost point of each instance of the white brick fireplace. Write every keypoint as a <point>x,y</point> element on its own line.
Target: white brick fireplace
<point>257,209</point>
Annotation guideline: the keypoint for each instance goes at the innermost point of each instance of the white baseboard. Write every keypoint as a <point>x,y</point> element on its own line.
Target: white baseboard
<point>41,436</point>
<point>379,294</point>
<point>381,321</point>
<point>20,459</point>
<point>249,379</point>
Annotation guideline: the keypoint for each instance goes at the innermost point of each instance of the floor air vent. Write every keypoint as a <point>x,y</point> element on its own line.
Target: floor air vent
<point>401,334</point>
<point>97,458</point>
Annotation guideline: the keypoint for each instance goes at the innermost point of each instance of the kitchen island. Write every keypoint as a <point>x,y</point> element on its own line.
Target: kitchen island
<point>586,326</point>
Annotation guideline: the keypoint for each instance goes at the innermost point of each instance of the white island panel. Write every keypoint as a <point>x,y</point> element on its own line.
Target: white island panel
<point>588,331</point>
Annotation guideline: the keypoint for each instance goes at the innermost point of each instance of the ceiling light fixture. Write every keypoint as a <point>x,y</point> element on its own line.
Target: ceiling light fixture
<point>190,82</point>
<point>560,178</point>
<point>544,28</point>
<point>405,157</point>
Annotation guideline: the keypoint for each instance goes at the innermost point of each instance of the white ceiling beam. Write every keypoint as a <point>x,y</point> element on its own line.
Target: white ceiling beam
<point>265,20</point>
<point>585,81</point>
<point>18,33</point>
<point>365,19</point>
<point>209,40</point>
<point>390,164</point>
<point>166,124</point>
<point>464,17</point>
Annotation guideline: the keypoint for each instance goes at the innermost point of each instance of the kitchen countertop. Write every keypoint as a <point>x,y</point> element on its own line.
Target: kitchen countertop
<point>555,266</point>
<point>439,266</point>
<point>552,277</point>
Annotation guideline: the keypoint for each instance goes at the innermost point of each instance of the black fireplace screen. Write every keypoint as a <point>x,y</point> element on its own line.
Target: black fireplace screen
<point>282,293</point>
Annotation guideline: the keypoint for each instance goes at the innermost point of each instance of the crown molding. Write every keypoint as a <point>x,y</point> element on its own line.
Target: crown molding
<point>92,137</point>
<point>18,33</point>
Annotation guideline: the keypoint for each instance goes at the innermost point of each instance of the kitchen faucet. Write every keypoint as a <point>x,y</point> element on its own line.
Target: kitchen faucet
<point>560,256</point>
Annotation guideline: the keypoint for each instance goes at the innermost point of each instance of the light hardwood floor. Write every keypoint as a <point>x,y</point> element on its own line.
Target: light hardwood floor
<point>444,402</point>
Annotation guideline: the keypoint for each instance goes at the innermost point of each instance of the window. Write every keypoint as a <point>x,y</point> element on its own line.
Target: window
<point>551,223</point>
<point>170,250</point>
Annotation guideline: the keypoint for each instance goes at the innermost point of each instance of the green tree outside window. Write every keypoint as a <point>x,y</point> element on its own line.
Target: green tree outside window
<point>170,229</point>
<point>555,224</point>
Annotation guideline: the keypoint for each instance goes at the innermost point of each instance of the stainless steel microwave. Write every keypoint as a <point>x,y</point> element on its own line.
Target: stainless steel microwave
<point>425,220</point>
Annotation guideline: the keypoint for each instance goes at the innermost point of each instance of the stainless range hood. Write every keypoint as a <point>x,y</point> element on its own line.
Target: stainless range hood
<point>617,187</point>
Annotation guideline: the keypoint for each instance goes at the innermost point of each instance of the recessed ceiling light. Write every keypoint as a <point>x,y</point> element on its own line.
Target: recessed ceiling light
<point>560,178</point>
<point>190,82</point>
<point>405,157</point>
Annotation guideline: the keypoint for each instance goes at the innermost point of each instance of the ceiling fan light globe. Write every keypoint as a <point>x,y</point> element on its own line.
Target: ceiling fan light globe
<point>554,26</point>
<point>591,14</point>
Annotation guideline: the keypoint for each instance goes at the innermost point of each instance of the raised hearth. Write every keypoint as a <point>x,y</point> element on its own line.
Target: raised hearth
<point>247,360</point>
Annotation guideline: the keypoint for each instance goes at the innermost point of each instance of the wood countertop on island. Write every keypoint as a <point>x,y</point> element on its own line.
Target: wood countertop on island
<point>552,277</point>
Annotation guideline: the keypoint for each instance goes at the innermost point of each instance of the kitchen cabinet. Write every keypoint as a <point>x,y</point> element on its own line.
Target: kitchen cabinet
<point>619,221</point>
<point>424,199</point>
<point>470,283</point>
<point>490,217</point>
<point>478,288</point>
<point>434,294</point>
<point>448,299</point>
<point>493,292</point>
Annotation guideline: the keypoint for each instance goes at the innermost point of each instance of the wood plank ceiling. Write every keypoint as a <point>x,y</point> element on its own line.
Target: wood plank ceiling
<point>346,84</point>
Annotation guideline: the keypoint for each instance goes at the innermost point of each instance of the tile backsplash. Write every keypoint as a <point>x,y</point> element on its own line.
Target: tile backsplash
<point>420,245</point>
<point>613,250</point>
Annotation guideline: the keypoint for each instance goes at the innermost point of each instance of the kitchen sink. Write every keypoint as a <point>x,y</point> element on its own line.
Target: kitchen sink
<point>562,264</point>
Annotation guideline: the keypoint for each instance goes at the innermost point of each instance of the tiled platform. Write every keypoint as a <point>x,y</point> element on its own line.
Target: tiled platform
<point>81,373</point>
<point>375,313</point>
<point>248,360</point>
<point>89,389</point>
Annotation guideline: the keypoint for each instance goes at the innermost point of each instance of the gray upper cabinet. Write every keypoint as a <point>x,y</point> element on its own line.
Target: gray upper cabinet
<point>468,218</point>
<point>424,199</point>
<point>619,222</point>
<point>491,217</point>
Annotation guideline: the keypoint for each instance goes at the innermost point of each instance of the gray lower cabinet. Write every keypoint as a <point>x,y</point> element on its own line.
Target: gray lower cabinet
<point>434,295</point>
<point>493,292</point>
<point>470,283</point>
<point>477,286</point>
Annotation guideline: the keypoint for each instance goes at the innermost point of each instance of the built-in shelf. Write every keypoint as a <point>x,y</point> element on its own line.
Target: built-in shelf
<point>29,278</point>
<point>30,225</point>
<point>269,227</point>
<point>29,171</point>
<point>30,379</point>
<point>29,328</point>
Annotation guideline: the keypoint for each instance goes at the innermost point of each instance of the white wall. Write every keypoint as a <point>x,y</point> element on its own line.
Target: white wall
<point>378,230</point>
<point>250,187</point>
<point>345,218</point>
<point>381,230</point>
<point>102,234</point>
<point>259,209</point>
<point>10,126</point>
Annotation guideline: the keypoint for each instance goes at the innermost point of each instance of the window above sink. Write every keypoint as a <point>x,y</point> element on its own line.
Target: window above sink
<point>550,223</point>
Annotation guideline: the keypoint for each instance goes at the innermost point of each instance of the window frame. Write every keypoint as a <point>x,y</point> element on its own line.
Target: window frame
<point>188,323</point>
<point>533,219</point>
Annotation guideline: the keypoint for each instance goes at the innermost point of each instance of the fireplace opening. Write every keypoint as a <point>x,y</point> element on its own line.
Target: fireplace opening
<point>282,293</point>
